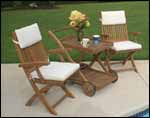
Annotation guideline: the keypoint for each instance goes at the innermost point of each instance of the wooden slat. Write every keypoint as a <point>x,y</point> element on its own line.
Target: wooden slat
<point>98,78</point>
<point>115,32</point>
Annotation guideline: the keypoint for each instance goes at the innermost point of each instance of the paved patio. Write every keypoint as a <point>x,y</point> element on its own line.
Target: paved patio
<point>129,95</point>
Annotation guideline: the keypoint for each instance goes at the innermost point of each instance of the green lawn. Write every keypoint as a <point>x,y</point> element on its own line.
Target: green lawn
<point>137,17</point>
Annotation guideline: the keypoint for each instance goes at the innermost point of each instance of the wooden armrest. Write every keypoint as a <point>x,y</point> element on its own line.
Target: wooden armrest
<point>62,29</point>
<point>104,35</point>
<point>109,41</point>
<point>58,51</point>
<point>36,63</point>
<point>135,33</point>
<point>53,36</point>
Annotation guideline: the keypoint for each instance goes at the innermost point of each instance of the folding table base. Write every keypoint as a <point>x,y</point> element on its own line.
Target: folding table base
<point>96,78</point>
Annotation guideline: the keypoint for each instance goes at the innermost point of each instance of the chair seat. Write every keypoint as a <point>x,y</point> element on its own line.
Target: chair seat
<point>126,45</point>
<point>57,71</point>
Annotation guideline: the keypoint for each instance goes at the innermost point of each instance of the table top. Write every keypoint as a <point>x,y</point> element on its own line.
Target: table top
<point>72,42</point>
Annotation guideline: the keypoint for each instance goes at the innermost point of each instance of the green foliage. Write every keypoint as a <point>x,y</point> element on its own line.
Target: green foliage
<point>137,18</point>
<point>13,5</point>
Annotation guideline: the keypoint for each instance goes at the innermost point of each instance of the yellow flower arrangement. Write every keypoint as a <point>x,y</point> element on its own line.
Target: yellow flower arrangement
<point>77,17</point>
<point>78,21</point>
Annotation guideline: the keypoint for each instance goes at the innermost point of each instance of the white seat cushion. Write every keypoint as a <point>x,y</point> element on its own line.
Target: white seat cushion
<point>28,35</point>
<point>57,71</point>
<point>113,17</point>
<point>126,45</point>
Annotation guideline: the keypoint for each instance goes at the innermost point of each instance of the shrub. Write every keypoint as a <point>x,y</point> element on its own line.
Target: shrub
<point>17,4</point>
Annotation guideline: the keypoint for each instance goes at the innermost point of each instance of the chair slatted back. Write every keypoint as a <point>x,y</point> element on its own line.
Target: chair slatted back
<point>117,32</point>
<point>36,52</point>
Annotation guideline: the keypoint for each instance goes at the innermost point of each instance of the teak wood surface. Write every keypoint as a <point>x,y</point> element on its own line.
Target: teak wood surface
<point>95,50</point>
<point>97,78</point>
<point>35,56</point>
<point>115,33</point>
<point>72,42</point>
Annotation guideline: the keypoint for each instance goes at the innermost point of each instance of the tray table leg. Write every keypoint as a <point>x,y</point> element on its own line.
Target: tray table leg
<point>114,73</point>
<point>96,58</point>
<point>93,60</point>
<point>108,60</point>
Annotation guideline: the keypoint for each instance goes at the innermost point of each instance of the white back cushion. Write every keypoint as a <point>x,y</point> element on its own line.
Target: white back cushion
<point>28,35</point>
<point>113,17</point>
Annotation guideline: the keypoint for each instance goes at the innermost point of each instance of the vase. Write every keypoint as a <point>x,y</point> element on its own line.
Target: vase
<point>80,35</point>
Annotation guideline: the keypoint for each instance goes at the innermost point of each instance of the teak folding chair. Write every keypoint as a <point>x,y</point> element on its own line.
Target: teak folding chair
<point>34,60</point>
<point>114,29</point>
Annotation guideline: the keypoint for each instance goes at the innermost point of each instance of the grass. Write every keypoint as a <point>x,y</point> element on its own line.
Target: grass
<point>137,18</point>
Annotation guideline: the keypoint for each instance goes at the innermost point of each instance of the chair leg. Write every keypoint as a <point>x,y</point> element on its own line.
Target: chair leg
<point>43,90</point>
<point>107,60</point>
<point>42,98</point>
<point>30,101</point>
<point>46,89</point>
<point>46,104</point>
<point>127,58</point>
<point>68,93</point>
<point>133,64</point>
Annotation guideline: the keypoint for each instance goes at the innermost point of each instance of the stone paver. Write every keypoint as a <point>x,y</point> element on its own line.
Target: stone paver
<point>127,96</point>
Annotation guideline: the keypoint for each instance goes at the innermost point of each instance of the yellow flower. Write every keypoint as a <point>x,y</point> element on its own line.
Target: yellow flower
<point>87,23</point>
<point>82,17</point>
<point>73,24</point>
<point>78,19</point>
<point>75,15</point>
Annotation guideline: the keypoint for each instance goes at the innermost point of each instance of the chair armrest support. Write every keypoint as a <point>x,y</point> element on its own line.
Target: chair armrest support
<point>104,36</point>
<point>58,51</point>
<point>135,34</point>
<point>53,36</point>
<point>35,63</point>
